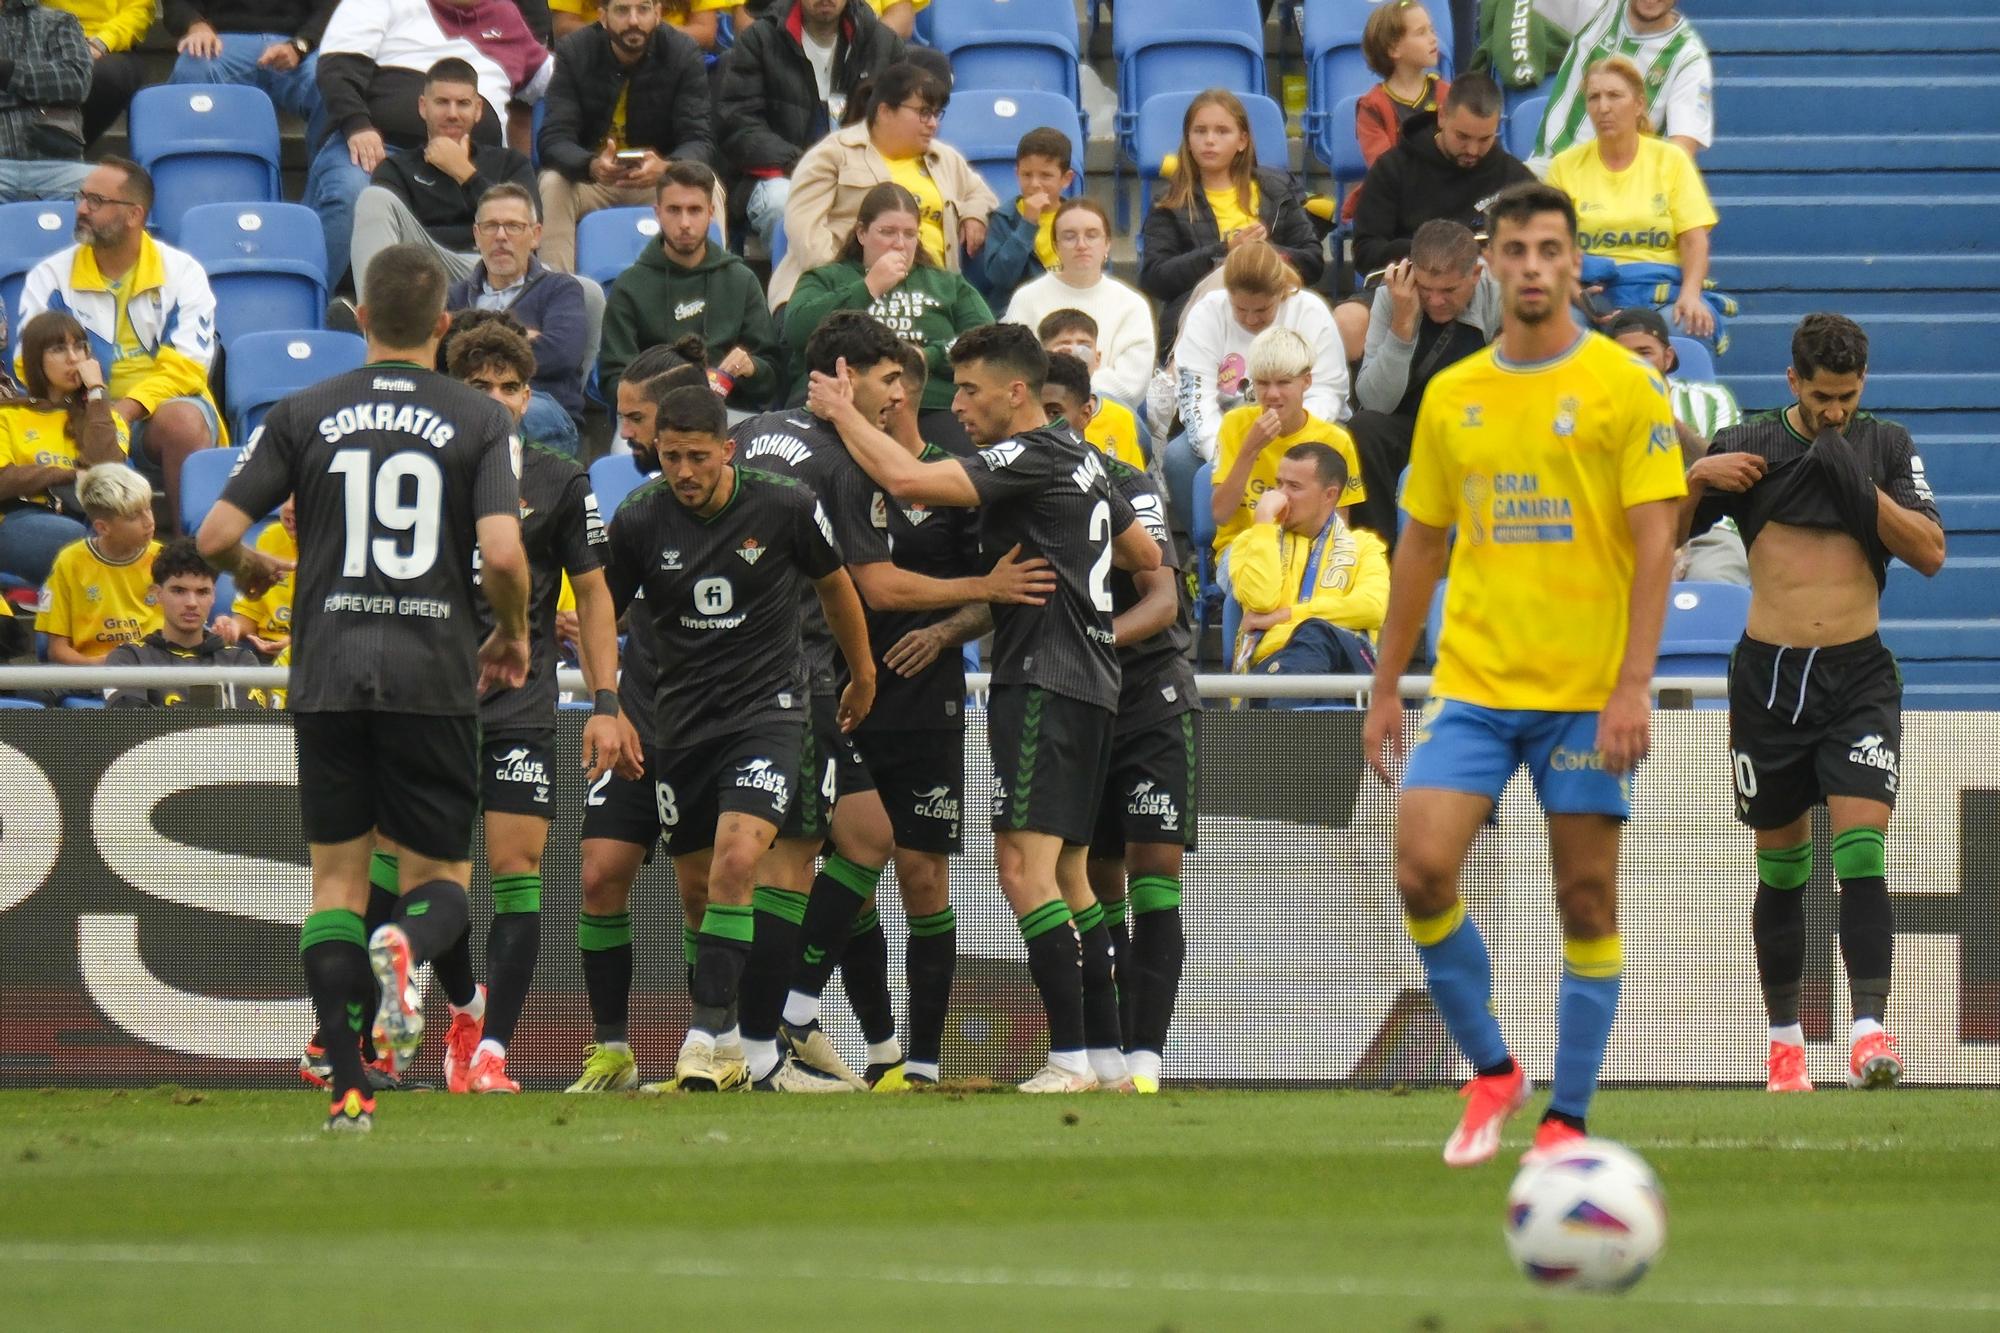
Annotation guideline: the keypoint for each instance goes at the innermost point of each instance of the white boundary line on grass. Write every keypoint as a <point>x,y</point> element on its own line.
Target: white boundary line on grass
<point>1046,1278</point>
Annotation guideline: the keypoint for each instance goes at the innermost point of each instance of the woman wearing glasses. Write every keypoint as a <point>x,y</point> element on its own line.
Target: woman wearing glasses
<point>895,142</point>
<point>64,425</point>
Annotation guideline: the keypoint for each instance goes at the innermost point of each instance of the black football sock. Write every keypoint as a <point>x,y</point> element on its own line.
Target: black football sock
<point>930,961</point>
<point>1100,991</point>
<point>773,960</point>
<point>1055,961</point>
<point>1121,964</point>
<point>722,947</point>
<point>864,971</point>
<point>334,954</point>
<point>513,943</point>
<point>690,950</point>
<point>606,945</point>
<point>381,906</point>
<point>1159,950</point>
<point>434,916</point>
<point>1778,929</point>
<point>841,891</point>
<point>1867,920</point>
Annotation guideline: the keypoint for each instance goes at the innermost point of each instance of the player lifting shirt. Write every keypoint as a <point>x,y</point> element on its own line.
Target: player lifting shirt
<point>1824,494</point>
<point>399,474</point>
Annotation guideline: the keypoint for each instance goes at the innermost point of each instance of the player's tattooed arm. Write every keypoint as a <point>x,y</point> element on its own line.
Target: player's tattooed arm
<point>912,655</point>
<point>849,624</point>
<point>831,398</point>
<point>1159,602</point>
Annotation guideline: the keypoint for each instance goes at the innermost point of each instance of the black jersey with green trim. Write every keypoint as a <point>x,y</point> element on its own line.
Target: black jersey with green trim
<point>392,466</point>
<point>1828,482</point>
<point>1158,678</point>
<point>562,532</point>
<point>1047,491</point>
<point>723,593</point>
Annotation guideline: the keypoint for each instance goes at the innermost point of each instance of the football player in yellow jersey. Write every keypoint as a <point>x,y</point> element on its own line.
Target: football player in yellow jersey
<point>1553,454</point>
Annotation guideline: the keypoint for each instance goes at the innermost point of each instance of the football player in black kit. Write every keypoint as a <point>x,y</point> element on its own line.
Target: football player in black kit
<point>1055,670</point>
<point>399,473</point>
<point>722,552</point>
<point>1824,494</point>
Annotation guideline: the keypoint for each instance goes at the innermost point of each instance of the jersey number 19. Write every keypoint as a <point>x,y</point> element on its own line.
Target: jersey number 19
<point>382,496</point>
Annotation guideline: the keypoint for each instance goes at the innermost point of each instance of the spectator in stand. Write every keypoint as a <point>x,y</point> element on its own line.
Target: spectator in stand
<point>1067,396</point>
<point>699,20</point>
<point>629,96</point>
<point>1103,421</point>
<point>685,284</point>
<point>1125,338</point>
<point>268,44</point>
<point>374,62</point>
<point>1447,166</point>
<point>1643,215</point>
<point>44,73</point>
<point>430,195</point>
<point>1431,310</point>
<point>884,269</point>
<point>785,87</point>
<point>1655,37</point>
<point>1218,201</point>
<point>150,317</point>
<point>895,143</point>
<point>183,591</point>
<point>65,424</point>
<point>264,624</point>
<point>899,16</point>
<point>1255,435</point>
<point>552,309</point>
<point>1313,590</point>
<point>1022,241</point>
<point>114,30</point>
<point>1400,43</point>
<point>99,592</point>
<point>1211,359</point>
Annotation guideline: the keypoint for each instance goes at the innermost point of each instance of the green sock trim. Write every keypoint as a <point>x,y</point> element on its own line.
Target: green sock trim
<point>778,902</point>
<point>382,872</point>
<point>1785,867</point>
<point>869,920</point>
<point>690,942</point>
<point>729,923</point>
<point>858,879</point>
<point>1114,911</point>
<point>1859,854</point>
<point>331,926</point>
<point>1155,893</point>
<point>1090,918</point>
<point>938,923</point>
<point>600,934</point>
<point>519,894</point>
<point>1044,919</point>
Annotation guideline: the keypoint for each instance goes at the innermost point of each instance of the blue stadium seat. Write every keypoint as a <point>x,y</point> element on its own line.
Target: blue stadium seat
<point>987,127</point>
<point>1693,360</point>
<point>1704,621</point>
<point>614,477</point>
<point>1169,46</point>
<point>1339,149</point>
<point>266,263</point>
<point>30,232</point>
<point>225,590</point>
<point>1159,133</point>
<point>1336,71</point>
<point>1008,45</point>
<point>261,368</point>
<point>1524,121</point>
<point>609,241</point>
<point>204,143</point>
<point>203,476</point>
<point>7,701</point>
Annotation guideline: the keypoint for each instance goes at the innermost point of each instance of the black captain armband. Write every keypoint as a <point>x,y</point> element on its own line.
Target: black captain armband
<point>605,704</point>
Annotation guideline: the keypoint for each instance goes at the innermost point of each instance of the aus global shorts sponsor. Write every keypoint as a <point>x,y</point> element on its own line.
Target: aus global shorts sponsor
<point>522,766</point>
<point>1873,751</point>
<point>764,775</point>
<point>1151,801</point>
<point>937,803</point>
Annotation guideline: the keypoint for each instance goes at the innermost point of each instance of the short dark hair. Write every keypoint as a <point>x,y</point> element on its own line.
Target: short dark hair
<point>1327,463</point>
<point>466,321</point>
<point>934,63</point>
<point>916,367</point>
<point>1067,320</point>
<point>1518,203</point>
<point>902,81</point>
<point>451,70</point>
<point>1444,246</point>
<point>687,174</point>
<point>403,289</point>
<point>1069,374</point>
<point>1046,142</point>
<point>692,409</point>
<point>1829,342</point>
<point>1476,93</point>
<point>854,335</point>
<point>137,179</point>
<point>661,358</point>
<point>488,346</point>
<point>178,558</point>
<point>506,190</point>
<point>1011,347</point>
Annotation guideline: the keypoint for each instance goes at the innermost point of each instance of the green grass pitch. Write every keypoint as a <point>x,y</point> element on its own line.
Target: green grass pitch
<point>1191,1210</point>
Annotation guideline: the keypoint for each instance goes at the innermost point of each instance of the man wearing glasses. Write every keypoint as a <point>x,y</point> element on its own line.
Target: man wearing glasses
<point>150,316</point>
<point>552,306</point>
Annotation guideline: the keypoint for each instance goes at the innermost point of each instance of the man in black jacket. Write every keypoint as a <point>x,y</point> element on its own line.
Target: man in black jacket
<point>630,95</point>
<point>783,90</point>
<point>430,195</point>
<point>268,44</point>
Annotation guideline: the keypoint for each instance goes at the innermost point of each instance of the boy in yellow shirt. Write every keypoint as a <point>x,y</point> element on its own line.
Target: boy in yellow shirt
<point>265,622</point>
<point>100,592</point>
<point>1066,394</point>
<point>1104,422</point>
<point>1253,438</point>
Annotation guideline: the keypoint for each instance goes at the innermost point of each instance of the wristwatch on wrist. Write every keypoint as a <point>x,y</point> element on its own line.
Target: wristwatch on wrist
<point>302,46</point>
<point>96,393</point>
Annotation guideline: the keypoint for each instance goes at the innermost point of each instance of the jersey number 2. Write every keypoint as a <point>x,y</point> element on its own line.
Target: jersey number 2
<point>381,497</point>
<point>1100,572</point>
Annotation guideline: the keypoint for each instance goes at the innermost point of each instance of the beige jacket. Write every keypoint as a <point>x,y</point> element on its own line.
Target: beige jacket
<point>827,186</point>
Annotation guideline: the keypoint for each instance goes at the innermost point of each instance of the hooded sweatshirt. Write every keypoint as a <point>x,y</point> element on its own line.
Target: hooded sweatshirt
<point>156,650</point>
<point>1415,182</point>
<point>931,308</point>
<point>719,300</point>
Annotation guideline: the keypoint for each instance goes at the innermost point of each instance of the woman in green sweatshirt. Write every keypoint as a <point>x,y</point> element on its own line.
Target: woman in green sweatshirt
<point>883,269</point>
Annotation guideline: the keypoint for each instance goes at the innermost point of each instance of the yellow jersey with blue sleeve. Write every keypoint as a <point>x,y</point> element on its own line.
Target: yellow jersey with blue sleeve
<point>1535,465</point>
<point>34,434</point>
<point>98,604</point>
<point>270,616</point>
